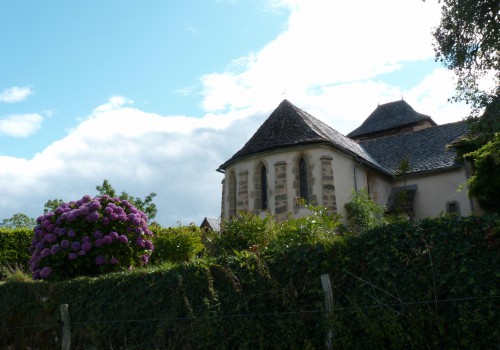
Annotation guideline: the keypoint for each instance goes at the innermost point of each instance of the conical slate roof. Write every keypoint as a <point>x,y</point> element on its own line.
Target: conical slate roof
<point>289,126</point>
<point>389,116</point>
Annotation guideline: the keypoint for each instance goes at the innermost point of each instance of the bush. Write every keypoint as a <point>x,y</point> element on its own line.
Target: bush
<point>363,213</point>
<point>89,237</point>
<point>245,232</point>
<point>14,247</point>
<point>320,226</point>
<point>176,244</point>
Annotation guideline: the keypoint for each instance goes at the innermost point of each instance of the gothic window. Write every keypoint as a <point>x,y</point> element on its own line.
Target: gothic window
<point>303,180</point>
<point>263,187</point>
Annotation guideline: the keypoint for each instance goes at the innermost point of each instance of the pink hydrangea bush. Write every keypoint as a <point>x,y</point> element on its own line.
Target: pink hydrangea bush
<point>89,237</point>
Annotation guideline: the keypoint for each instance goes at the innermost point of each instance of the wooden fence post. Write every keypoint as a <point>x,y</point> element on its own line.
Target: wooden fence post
<point>327,289</point>
<point>66,336</point>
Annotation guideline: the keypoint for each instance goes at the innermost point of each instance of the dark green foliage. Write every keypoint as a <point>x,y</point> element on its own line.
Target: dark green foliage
<point>14,247</point>
<point>485,183</point>
<point>176,244</point>
<point>426,284</point>
<point>429,284</point>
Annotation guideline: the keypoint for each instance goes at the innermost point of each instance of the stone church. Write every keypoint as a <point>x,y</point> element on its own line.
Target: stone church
<point>295,155</point>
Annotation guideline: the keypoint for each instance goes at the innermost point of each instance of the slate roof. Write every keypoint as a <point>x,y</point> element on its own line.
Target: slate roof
<point>426,149</point>
<point>211,224</point>
<point>389,116</point>
<point>289,126</point>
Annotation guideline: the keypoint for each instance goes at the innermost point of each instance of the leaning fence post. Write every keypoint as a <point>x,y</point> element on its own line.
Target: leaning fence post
<point>66,337</point>
<point>327,289</point>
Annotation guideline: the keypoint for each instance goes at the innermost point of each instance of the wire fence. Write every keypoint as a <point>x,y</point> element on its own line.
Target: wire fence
<point>265,314</point>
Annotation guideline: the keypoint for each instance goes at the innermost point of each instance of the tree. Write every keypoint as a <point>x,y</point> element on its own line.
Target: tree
<point>18,220</point>
<point>145,205</point>
<point>52,204</point>
<point>466,42</point>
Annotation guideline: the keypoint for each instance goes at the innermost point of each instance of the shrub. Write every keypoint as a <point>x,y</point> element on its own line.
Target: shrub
<point>363,213</point>
<point>176,244</point>
<point>88,237</point>
<point>320,226</point>
<point>244,232</point>
<point>14,247</point>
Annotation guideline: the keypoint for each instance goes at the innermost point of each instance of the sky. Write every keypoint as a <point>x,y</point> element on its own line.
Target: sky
<point>154,95</point>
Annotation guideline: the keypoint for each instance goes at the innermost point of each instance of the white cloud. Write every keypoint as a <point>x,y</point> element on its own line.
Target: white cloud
<point>15,94</point>
<point>20,125</point>
<point>139,152</point>
<point>327,62</point>
<point>326,42</point>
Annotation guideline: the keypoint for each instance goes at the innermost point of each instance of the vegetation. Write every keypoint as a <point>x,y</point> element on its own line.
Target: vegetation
<point>485,183</point>
<point>176,244</point>
<point>145,205</point>
<point>18,220</point>
<point>466,42</point>
<point>363,213</point>
<point>14,248</point>
<point>421,284</point>
<point>88,237</point>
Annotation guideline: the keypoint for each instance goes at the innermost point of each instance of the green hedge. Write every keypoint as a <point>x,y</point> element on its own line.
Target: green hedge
<point>14,247</point>
<point>431,284</point>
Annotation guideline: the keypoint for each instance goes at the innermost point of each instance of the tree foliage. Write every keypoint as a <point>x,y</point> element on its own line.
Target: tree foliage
<point>18,220</point>
<point>485,183</point>
<point>145,205</point>
<point>466,42</point>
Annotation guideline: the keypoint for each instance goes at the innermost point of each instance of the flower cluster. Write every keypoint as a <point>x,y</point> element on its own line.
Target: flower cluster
<point>88,237</point>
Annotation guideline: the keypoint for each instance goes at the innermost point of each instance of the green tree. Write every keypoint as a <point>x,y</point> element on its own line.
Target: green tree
<point>466,42</point>
<point>18,220</point>
<point>52,204</point>
<point>145,205</point>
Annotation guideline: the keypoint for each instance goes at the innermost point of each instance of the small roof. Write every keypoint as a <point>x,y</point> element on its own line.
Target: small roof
<point>389,116</point>
<point>211,224</point>
<point>426,150</point>
<point>289,126</point>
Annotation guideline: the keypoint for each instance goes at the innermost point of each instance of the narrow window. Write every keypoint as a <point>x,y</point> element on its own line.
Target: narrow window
<point>232,194</point>
<point>263,187</point>
<point>453,208</point>
<point>303,180</point>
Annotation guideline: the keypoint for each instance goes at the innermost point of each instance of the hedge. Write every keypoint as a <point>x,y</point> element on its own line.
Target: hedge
<point>14,247</point>
<point>428,284</point>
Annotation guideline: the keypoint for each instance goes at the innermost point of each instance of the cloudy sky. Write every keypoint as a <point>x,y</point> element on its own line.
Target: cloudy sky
<point>154,95</point>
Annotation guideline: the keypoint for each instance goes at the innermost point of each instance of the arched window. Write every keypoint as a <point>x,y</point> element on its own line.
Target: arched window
<point>303,180</point>
<point>263,187</point>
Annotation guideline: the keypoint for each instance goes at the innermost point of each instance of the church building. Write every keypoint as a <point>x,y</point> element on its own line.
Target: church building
<point>395,150</point>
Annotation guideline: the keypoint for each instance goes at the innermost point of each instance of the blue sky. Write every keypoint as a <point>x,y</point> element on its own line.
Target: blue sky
<point>155,95</point>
